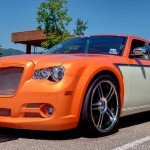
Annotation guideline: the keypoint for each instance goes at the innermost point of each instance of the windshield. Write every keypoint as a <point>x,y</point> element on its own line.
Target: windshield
<point>109,45</point>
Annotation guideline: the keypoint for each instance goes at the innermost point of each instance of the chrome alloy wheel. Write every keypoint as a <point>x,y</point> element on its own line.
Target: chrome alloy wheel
<point>104,106</point>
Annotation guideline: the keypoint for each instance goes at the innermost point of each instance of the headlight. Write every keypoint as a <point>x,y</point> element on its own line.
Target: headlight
<point>52,73</point>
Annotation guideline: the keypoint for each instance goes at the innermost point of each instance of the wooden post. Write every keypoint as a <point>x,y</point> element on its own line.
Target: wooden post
<point>28,49</point>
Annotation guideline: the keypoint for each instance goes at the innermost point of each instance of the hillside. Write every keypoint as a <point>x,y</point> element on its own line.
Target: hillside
<point>10,51</point>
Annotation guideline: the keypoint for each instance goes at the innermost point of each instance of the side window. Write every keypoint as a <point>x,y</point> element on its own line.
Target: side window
<point>148,45</point>
<point>136,43</point>
<point>139,43</point>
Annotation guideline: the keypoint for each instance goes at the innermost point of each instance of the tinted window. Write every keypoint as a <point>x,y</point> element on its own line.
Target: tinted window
<point>136,43</point>
<point>149,46</point>
<point>110,45</point>
<point>106,45</point>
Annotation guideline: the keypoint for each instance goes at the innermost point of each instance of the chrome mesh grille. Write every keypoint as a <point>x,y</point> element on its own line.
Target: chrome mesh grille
<point>9,80</point>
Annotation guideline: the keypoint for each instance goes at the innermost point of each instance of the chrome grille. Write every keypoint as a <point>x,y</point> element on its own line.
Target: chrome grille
<point>9,80</point>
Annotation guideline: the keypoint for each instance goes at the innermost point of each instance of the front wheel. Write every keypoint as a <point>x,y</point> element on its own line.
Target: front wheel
<point>100,110</point>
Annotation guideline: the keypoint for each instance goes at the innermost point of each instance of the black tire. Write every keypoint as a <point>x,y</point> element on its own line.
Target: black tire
<point>89,114</point>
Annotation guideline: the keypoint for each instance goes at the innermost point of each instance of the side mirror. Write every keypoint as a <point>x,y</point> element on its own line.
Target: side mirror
<point>138,52</point>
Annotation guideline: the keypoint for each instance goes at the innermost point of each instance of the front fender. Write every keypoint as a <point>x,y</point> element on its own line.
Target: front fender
<point>86,72</point>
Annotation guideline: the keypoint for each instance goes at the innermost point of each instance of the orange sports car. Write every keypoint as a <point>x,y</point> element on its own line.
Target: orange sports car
<point>91,80</point>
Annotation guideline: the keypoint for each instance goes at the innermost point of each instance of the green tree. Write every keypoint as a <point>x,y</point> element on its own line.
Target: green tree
<point>81,26</point>
<point>52,16</point>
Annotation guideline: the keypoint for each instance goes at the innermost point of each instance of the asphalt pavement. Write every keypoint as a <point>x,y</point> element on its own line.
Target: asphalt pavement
<point>133,134</point>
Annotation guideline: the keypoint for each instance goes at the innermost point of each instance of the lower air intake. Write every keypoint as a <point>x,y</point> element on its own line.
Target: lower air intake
<point>5,112</point>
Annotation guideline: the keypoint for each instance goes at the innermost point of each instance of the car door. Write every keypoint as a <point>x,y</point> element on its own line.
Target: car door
<point>138,98</point>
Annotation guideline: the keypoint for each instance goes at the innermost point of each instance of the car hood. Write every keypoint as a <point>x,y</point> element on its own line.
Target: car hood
<point>44,60</point>
<point>28,57</point>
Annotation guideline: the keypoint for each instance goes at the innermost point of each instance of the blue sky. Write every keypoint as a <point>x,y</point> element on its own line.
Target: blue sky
<point>104,16</point>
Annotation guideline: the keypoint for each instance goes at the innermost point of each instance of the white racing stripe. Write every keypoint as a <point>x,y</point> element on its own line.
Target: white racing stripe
<point>133,144</point>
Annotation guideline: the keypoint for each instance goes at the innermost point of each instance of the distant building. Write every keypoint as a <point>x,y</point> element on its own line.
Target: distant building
<point>29,38</point>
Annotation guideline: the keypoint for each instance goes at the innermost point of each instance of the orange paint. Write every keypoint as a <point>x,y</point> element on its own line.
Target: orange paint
<point>66,96</point>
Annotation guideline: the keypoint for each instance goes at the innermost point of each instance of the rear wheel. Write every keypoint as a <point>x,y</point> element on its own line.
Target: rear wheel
<point>100,110</point>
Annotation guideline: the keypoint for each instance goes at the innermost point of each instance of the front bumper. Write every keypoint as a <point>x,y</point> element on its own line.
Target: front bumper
<point>59,95</point>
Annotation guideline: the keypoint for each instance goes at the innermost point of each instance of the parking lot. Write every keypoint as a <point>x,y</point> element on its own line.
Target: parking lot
<point>133,133</point>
